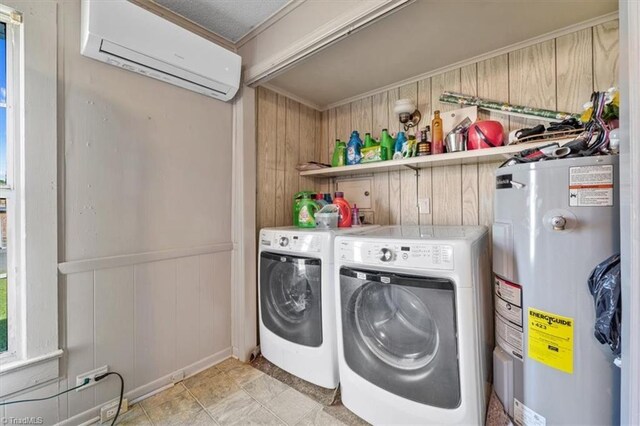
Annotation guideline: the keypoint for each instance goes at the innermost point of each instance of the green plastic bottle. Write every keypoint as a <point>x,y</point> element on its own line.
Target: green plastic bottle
<point>306,212</point>
<point>339,154</point>
<point>297,199</point>
<point>369,141</point>
<point>387,143</point>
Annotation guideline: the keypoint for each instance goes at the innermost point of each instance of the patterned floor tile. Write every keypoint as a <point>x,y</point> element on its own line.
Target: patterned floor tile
<point>291,406</point>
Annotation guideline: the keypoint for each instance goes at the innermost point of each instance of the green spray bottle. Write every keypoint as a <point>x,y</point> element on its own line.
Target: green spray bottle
<point>387,143</point>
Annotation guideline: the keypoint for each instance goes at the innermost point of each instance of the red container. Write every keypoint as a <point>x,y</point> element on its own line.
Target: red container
<point>344,221</point>
<point>485,134</point>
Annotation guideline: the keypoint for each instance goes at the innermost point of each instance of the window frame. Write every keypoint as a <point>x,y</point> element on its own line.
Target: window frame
<point>35,353</point>
<point>11,190</point>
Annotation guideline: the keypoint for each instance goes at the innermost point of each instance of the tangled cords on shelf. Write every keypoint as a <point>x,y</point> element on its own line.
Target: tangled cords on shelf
<point>86,382</point>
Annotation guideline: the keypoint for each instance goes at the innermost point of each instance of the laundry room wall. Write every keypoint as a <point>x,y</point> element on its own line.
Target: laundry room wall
<point>558,74</point>
<point>145,242</point>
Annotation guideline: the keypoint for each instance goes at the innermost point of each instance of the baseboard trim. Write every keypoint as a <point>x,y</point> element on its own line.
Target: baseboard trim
<point>145,391</point>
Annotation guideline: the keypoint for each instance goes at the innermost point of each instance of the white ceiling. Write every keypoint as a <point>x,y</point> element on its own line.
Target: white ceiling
<point>425,36</point>
<point>231,19</point>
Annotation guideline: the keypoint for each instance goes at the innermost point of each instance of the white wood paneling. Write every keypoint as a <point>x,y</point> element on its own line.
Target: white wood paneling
<point>80,338</point>
<point>113,331</point>
<point>188,310</point>
<point>221,302</point>
<point>206,324</point>
<point>155,320</point>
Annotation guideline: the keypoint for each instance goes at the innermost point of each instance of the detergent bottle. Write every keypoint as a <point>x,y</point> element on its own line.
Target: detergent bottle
<point>307,211</point>
<point>353,149</point>
<point>401,140</point>
<point>369,141</point>
<point>296,204</point>
<point>339,154</point>
<point>387,143</point>
<point>344,209</point>
<point>320,200</point>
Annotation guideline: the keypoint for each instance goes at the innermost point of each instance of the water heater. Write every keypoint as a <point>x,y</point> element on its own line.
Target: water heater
<point>555,221</point>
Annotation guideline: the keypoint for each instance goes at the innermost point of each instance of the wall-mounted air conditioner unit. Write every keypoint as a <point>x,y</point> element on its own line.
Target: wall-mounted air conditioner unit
<point>125,35</point>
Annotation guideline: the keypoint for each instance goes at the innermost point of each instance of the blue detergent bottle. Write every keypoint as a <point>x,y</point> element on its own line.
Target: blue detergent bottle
<point>353,149</point>
<point>401,139</point>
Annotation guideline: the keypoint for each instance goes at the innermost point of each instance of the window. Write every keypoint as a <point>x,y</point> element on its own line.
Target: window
<point>29,346</point>
<point>8,192</point>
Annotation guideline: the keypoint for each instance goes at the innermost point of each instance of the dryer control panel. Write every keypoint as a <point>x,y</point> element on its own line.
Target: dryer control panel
<point>291,241</point>
<point>411,255</point>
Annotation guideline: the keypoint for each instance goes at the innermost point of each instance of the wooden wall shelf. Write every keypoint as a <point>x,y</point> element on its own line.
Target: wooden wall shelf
<point>487,155</point>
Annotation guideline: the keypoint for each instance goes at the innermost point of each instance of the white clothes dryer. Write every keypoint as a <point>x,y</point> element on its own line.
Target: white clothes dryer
<point>415,328</point>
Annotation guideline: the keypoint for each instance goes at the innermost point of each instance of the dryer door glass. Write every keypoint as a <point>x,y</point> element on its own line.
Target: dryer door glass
<point>399,333</point>
<point>290,297</point>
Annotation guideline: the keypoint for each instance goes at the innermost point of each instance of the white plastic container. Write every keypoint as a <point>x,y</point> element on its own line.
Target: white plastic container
<point>327,217</point>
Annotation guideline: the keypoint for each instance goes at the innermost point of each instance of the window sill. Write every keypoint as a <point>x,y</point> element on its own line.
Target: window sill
<point>23,374</point>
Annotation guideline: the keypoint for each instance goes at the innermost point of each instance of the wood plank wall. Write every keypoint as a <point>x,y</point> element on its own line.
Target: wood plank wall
<point>555,74</point>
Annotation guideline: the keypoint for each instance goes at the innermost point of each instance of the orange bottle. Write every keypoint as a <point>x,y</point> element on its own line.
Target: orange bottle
<point>344,221</point>
<point>437,144</point>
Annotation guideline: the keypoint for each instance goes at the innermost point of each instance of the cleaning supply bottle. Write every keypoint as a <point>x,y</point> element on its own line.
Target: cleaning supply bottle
<point>437,144</point>
<point>355,216</point>
<point>386,142</point>
<point>344,221</point>
<point>353,149</point>
<point>320,200</point>
<point>306,212</point>
<point>327,198</point>
<point>297,198</point>
<point>401,140</point>
<point>369,141</point>
<point>339,154</point>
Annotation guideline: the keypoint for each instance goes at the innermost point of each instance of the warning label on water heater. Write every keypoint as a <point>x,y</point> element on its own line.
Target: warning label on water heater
<point>591,186</point>
<point>550,339</point>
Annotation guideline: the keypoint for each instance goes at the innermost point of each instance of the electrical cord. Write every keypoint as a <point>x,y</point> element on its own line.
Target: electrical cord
<point>86,382</point>
<point>102,376</point>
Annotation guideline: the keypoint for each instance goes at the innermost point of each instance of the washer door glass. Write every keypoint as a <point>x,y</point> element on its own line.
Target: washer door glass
<point>290,297</point>
<point>399,333</point>
<point>395,325</point>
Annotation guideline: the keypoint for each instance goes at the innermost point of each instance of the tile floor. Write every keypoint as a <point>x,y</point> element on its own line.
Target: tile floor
<point>231,393</point>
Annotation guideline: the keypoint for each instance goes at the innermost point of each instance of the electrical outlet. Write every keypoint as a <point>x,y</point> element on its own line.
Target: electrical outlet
<point>424,205</point>
<point>91,375</point>
<point>109,410</point>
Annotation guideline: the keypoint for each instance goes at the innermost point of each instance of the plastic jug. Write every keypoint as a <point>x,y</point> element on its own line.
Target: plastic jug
<point>320,200</point>
<point>344,209</point>
<point>296,204</point>
<point>401,140</point>
<point>353,149</point>
<point>369,141</point>
<point>306,212</point>
<point>339,154</point>
<point>387,142</point>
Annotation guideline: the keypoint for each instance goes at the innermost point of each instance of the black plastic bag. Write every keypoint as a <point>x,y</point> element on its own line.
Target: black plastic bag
<point>604,285</point>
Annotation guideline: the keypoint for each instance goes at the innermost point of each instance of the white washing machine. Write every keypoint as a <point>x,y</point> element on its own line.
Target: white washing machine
<point>415,324</point>
<point>297,301</point>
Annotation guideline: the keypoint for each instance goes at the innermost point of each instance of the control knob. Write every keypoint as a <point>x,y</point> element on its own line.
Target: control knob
<point>284,241</point>
<point>386,255</point>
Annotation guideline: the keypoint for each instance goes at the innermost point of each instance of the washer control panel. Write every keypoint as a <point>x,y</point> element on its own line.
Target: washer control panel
<point>411,255</point>
<point>291,241</point>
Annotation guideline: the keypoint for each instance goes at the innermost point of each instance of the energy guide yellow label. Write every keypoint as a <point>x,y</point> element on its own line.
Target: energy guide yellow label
<point>551,339</point>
